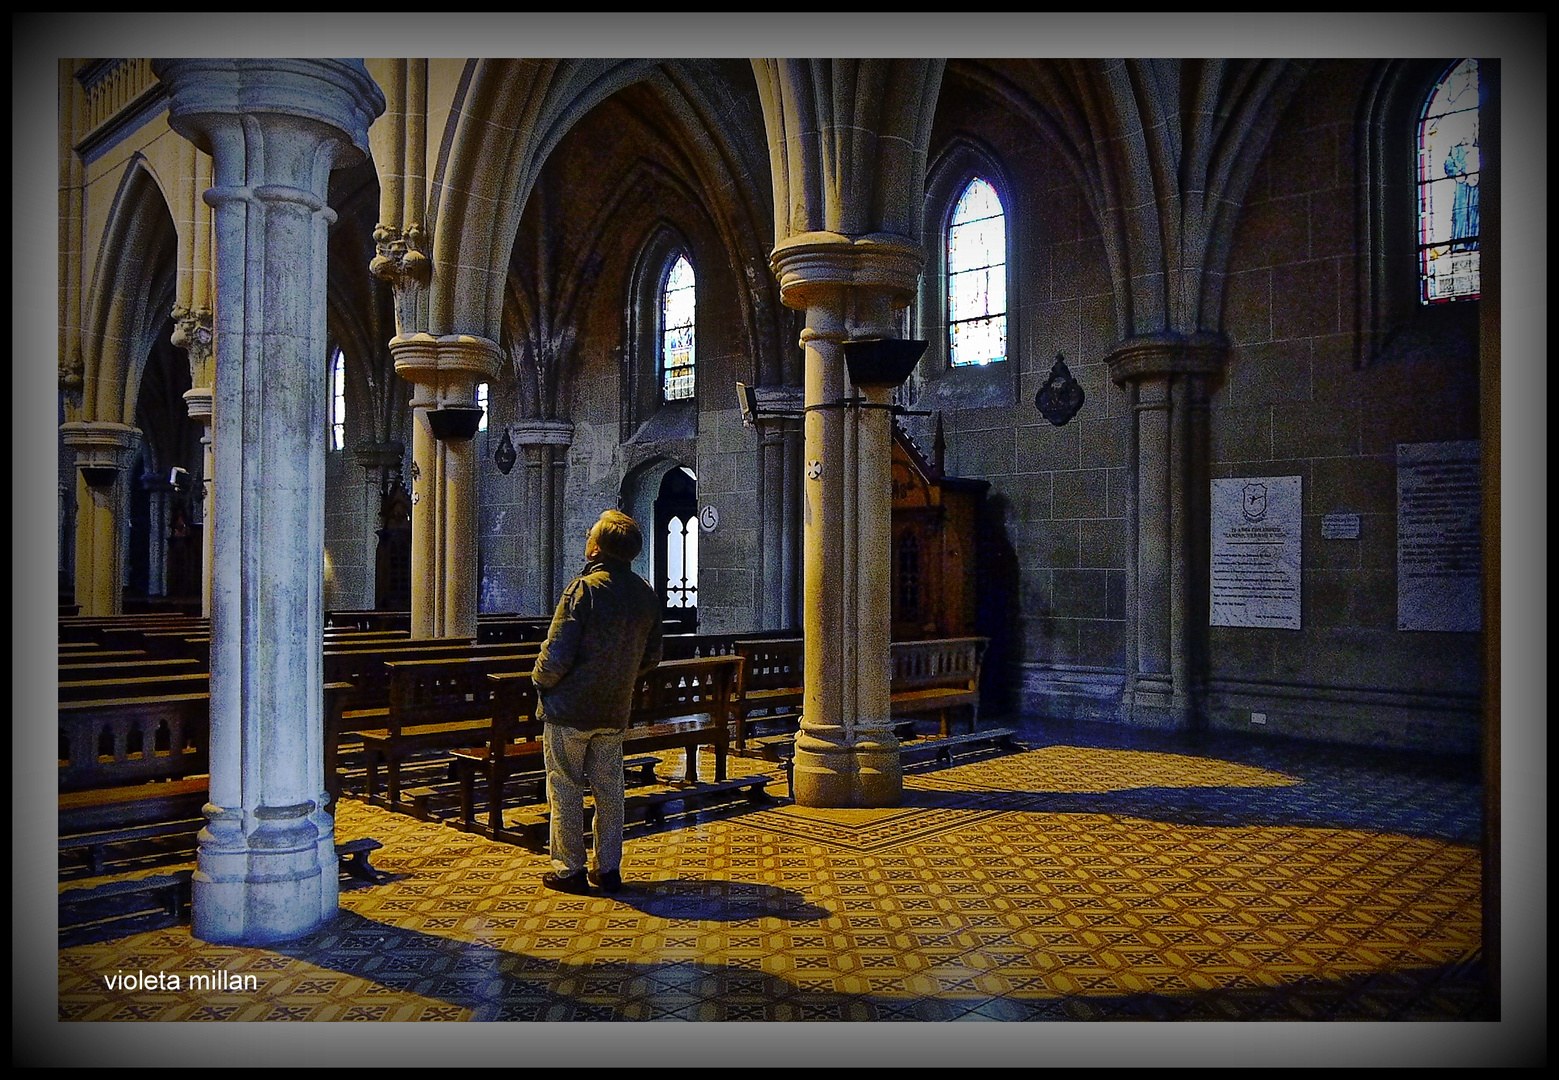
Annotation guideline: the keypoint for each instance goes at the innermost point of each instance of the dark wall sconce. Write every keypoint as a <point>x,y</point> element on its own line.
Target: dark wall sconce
<point>454,422</point>
<point>505,457</point>
<point>881,362</point>
<point>99,476</point>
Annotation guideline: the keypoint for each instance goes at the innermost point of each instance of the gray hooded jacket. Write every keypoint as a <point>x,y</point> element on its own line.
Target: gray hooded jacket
<point>605,634</point>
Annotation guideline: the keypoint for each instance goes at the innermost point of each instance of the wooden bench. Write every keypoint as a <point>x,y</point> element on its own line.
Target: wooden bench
<point>937,677</point>
<point>79,667</point>
<point>117,908</point>
<point>133,686</point>
<point>440,704</point>
<point>771,681</point>
<point>131,769</point>
<point>138,769</point>
<point>945,749</point>
<point>682,704</point>
<point>357,688</point>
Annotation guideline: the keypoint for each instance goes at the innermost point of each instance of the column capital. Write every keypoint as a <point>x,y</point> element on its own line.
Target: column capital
<point>401,260</point>
<point>99,442</point>
<point>192,332</point>
<point>811,265</point>
<point>1167,354</point>
<point>209,95</point>
<point>198,401</point>
<point>424,359</point>
<point>542,432</point>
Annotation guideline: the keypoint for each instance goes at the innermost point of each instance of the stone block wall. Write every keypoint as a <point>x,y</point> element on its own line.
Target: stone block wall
<point>1297,401</point>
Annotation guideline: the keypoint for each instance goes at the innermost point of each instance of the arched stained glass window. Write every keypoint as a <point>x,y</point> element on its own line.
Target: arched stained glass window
<point>677,331</point>
<point>977,277</point>
<point>338,401</point>
<point>1448,168</point>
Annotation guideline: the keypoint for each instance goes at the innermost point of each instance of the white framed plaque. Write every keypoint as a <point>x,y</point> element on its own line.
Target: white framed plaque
<point>1439,536</point>
<point>1256,551</point>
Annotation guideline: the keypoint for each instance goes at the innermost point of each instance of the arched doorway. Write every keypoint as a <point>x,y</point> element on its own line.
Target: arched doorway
<point>676,549</point>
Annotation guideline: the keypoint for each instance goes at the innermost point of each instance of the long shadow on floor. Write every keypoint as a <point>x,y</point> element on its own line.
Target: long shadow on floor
<point>1423,796</point>
<point>498,985</point>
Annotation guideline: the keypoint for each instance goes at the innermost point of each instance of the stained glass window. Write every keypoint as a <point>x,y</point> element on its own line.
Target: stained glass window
<point>676,331</point>
<point>481,403</point>
<point>977,277</point>
<point>338,401</point>
<point>1448,188</point>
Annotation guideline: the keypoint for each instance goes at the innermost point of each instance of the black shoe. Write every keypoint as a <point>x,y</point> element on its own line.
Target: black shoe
<point>570,883</point>
<point>610,881</point>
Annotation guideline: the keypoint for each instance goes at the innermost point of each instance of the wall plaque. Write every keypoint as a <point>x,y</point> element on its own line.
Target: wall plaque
<point>1340,526</point>
<point>1255,551</point>
<point>1439,536</point>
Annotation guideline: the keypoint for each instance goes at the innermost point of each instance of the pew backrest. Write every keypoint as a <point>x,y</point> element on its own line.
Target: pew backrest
<point>117,742</point>
<point>937,662</point>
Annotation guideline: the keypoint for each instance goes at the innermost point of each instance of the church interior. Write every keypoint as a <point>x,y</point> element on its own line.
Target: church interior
<point>1074,485</point>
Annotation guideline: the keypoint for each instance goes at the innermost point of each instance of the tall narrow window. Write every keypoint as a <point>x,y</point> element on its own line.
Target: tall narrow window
<point>481,403</point>
<point>676,331</point>
<point>1448,168</point>
<point>338,401</point>
<point>977,277</point>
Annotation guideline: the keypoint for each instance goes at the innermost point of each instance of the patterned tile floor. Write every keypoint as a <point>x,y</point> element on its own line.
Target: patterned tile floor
<point>1099,874</point>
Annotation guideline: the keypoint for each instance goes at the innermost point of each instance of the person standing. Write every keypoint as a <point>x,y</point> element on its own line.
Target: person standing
<point>605,634</point>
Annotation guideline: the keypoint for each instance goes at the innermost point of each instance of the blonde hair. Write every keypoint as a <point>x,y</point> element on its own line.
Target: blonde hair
<point>618,536</point>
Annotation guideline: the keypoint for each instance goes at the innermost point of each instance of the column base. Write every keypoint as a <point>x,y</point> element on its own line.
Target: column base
<point>828,772</point>
<point>277,882</point>
<point>1151,702</point>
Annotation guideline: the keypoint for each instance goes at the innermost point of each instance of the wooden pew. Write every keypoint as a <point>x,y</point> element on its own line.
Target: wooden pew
<point>133,686</point>
<point>78,668</point>
<point>131,769</point>
<point>438,704</point>
<point>937,678</point>
<point>357,688</point>
<point>682,704</point>
<point>137,769</point>
<point>771,680</point>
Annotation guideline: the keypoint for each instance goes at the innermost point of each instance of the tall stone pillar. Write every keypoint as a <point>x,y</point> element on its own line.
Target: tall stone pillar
<point>159,493</point>
<point>1167,377</point>
<point>779,478</point>
<point>544,444</point>
<point>266,867</point>
<point>444,372</point>
<point>846,752</point>
<point>103,454</point>
<point>192,332</point>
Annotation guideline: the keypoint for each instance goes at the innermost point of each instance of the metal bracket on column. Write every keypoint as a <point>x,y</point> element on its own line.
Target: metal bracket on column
<point>862,403</point>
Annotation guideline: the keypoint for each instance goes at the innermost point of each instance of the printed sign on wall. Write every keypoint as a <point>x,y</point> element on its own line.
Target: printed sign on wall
<point>1439,536</point>
<point>1256,541</point>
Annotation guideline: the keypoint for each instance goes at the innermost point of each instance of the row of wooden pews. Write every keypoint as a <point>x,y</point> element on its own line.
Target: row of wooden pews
<point>134,720</point>
<point>938,678</point>
<point>134,725</point>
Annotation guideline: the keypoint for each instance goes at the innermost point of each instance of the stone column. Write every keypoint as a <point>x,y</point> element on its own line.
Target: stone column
<point>846,752</point>
<point>1167,378</point>
<point>381,464</point>
<point>192,332</point>
<point>158,492</point>
<point>444,372</point>
<point>103,454</point>
<point>544,444</point>
<point>266,867</point>
<point>779,477</point>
